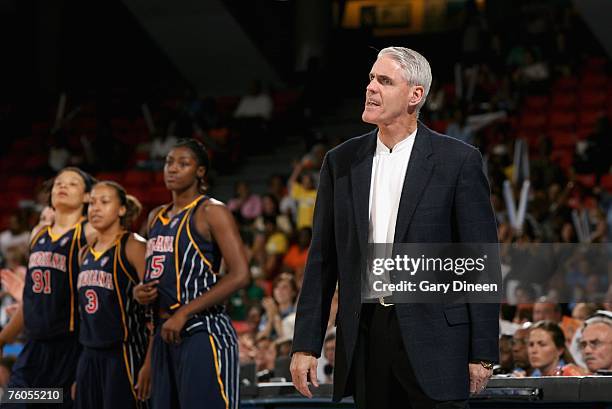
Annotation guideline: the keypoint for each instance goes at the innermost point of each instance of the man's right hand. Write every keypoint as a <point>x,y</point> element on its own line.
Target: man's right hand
<point>303,366</point>
<point>145,294</point>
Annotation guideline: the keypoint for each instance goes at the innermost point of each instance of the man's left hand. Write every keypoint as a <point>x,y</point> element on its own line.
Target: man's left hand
<point>479,376</point>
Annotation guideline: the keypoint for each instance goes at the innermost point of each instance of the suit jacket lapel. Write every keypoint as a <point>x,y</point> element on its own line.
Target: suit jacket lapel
<point>417,176</point>
<point>361,177</point>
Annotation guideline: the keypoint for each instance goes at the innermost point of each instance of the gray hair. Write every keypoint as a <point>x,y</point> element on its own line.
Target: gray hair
<point>600,317</point>
<point>415,68</point>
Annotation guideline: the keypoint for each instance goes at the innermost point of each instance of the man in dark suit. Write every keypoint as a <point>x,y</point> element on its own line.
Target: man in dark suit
<point>401,183</point>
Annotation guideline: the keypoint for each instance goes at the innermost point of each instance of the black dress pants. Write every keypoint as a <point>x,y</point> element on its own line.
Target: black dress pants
<point>384,378</point>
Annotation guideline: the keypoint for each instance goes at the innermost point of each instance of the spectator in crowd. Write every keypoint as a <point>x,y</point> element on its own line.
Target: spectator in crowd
<point>13,281</point>
<point>580,313</point>
<point>584,310</point>
<point>162,143</point>
<point>17,236</point>
<point>296,257</point>
<point>525,294</point>
<point>534,73</point>
<point>270,209</point>
<point>506,362</point>
<point>595,157</point>
<point>252,119</point>
<point>544,309</point>
<point>283,347</point>
<point>246,348</point>
<point>279,310</point>
<point>459,129</point>
<point>59,155</point>
<point>325,367</point>
<point>596,342</point>
<point>254,315</point>
<point>304,193</point>
<point>256,104</point>
<point>520,357</point>
<point>547,352</point>
<point>265,357</point>
<point>245,206</point>
<point>269,248</point>
<point>277,188</point>
<point>524,314</point>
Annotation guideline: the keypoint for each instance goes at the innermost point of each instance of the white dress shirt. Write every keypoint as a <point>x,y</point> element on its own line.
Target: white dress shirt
<point>388,173</point>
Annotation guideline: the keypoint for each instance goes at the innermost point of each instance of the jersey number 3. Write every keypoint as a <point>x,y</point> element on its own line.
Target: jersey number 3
<point>42,281</point>
<point>92,301</point>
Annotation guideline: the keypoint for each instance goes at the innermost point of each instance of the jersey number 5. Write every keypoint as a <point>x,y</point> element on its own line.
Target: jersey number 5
<point>42,281</point>
<point>157,267</point>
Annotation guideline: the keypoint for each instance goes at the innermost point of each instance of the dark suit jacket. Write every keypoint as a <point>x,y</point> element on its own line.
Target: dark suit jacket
<point>445,198</point>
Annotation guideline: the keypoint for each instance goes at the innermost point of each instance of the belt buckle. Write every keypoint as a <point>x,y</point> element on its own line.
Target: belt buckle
<point>381,300</point>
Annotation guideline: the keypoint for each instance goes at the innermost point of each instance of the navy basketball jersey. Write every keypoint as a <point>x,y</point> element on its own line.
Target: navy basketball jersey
<point>49,296</point>
<point>110,316</point>
<point>185,264</point>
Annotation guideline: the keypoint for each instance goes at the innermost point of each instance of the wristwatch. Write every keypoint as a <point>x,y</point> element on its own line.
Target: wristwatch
<point>486,365</point>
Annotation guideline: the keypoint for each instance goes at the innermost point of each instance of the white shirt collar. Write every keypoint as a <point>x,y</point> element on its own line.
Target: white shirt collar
<point>404,144</point>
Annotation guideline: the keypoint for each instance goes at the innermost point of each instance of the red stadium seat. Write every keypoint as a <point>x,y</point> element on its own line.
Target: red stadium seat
<point>583,133</point>
<point>563,101</point>
<point>532,121</point>
<point>593,99</point>
<point>153,196</point>
<point>120,124</point>
<point>566,83</point>
<point>589,202</point>
<point>588,119</point>
<point>226,105</point>
<point>595,64</point>
<point>590,81</point>
<point>159,178</point>
<point>564,157</point>
<point>538,102</point>
<point>586,180</point>
<point>138,178</point>
<point>606,182</point>
<point>35,163</point>
<point>563,139</point>
<point>440,125</point>
<point>19,183</point>
<point>562,120</point>
<point>114,176</point>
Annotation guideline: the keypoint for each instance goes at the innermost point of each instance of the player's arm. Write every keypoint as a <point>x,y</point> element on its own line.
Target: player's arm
<point>223,229</point>
<point>135,250</point>
<point>144,294</point>
<point>143,385</point>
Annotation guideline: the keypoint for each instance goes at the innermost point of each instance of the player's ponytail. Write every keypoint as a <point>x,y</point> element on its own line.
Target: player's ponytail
<point>133,208</point>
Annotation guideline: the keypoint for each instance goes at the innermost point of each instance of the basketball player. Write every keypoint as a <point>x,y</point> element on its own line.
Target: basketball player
<point>195,353</point>
<point>49,309</point>
<point>114,367</point>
